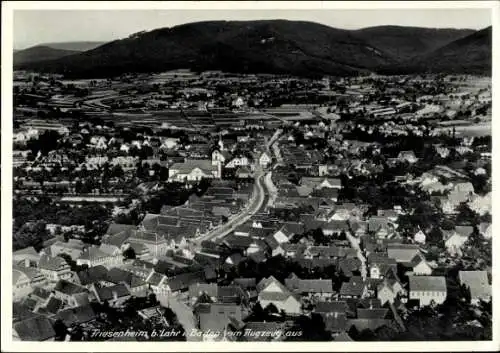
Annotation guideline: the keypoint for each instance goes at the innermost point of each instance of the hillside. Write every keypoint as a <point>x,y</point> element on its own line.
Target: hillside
<point>404,43</point>
<point>271,46</point>
<point>75,46</point>
<point>255,46</point>
<point>39,53</point>
<point>471,54</point>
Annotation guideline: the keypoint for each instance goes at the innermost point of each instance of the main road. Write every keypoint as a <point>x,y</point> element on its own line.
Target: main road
<point>256,202</point>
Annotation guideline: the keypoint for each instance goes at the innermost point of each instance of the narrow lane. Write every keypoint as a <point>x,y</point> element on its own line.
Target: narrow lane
<point>184,314</point>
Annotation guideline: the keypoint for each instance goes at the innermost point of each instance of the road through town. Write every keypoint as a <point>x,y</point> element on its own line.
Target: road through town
<point>255,204</point>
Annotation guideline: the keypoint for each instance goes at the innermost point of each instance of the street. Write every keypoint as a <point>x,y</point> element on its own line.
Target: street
<point>184,313</point>
<point>355,244</point>
<point>255,204</point>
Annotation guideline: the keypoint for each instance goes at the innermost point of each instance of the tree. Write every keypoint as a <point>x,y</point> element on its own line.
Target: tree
<point>60,329</point>
<point>466,215</point>
<point>117,171</point>
<point>129,253</point>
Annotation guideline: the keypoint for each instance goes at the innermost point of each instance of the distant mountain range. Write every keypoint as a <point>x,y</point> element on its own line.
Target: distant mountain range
<point>39,53</point>
<point>282,47</point>
<point>52,51</point>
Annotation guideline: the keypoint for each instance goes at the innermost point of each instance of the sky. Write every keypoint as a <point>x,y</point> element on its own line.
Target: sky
<point>32,27</point>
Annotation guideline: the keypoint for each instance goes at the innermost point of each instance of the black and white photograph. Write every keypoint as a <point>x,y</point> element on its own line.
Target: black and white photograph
<point>243,175</point>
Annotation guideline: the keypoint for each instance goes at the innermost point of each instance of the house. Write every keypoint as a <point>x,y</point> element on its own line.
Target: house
<point>264,160</point>
<point>273,291</point>
<point>169,143</point>
<point>49,307</point>
<point>355,288</point>
<point>76,316</point>
<point>25,280</point>
<point>282,235</point>
<point>198,289</point>
<point>334,315</point>
<point>380,226</point>
<point>315,287</point>
<point>221,156</point>
<point>321,182</point>
<point>485,230</point>
<point>455,239</point>
<point>379,265</point>
<point>27,257</point>
<point>156,244</point>
<point>478,284</point>
<point>236,162</point>
<point>481,204</point>
<point>135,284</point>
<point>419,237</point>
<point>157,283</point>
<point>407,156</point>
<point>403,253</point>
<point>115,295</point>
<point>243,173</point>
<point>91,275</point>
<point>181,282</point>
<point>193,170</point>
<point>71,293</point>
<point>427,289</point>
<point>388,290</point>
<point>54,268</point>
<point>421,266</point>
<point>94,256</point>
<point>73,248</point>
<point>213,318</point>
<point>37,328</point>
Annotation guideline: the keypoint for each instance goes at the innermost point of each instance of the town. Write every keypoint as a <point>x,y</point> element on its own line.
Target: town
<point>256,207</point>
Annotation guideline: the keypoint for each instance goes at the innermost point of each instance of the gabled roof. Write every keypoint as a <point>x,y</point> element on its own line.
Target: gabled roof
<point>41,293</point>
<point>367,303</point>
<point>52,263</point>
<point>265,282</point>
<point>331,307</point>
<point>69,288</point>
<point>36,328</point>
<point>51,308</point>
<point>108,293</point>
<point>310,285</point>
<point>184,280</point>
<point>155,278</point>
<point>427,283</point>
<point>464,231</point>
<point>198,289</point>
<point>116,228</point>
<point>246,283</point>
<point>379,313</point>
<point>402,252</point>
<point>355,286</point>
<point>92,275</point>
<point>26,251</point>
<point>77,315</point>
<point>478,283</point>
<point>117,275</point>
<point>343,337</point>
<point>372,324</point>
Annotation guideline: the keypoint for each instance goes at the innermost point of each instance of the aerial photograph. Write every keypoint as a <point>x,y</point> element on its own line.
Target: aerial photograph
<point>252,175</point>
